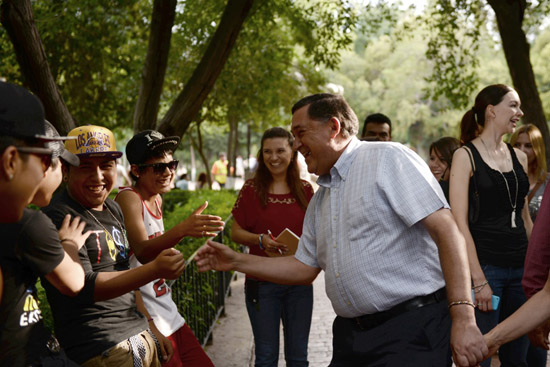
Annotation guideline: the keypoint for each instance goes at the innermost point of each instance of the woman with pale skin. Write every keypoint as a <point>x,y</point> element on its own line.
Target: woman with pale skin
<point>441,158</point>
<point>529,140</point>
<point>497,239</point>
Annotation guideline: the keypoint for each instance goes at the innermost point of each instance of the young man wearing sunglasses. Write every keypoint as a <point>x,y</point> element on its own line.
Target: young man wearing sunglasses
<point>35,248</point>
<point>24,156</point>
<point>152,168</point>
<point>100,325</point>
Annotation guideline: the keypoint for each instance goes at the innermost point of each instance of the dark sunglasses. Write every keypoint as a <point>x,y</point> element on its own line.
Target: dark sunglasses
<point>44,154</point>
<point>159,168</point>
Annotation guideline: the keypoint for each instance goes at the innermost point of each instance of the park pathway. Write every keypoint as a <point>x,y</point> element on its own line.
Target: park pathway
<point>233,344</point>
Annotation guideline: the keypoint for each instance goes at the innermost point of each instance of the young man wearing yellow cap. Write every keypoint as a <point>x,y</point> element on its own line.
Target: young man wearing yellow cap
<point>100,326</point>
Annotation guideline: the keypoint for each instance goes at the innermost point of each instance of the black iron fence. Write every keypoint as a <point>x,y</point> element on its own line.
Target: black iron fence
<point>200,297</point>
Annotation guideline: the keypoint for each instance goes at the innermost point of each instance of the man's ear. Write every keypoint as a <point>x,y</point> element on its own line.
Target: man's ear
<point>8,164</point>
<point>335,127</point>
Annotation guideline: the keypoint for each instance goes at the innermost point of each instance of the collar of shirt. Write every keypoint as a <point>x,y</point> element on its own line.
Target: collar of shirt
<point>342,165</point>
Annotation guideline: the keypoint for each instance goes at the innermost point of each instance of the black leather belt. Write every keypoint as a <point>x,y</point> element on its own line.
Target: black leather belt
<point>366,322</point>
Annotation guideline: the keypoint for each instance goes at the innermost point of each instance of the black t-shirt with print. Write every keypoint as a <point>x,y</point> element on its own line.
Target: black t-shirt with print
<point>30,248</point>
<point>86,328</point>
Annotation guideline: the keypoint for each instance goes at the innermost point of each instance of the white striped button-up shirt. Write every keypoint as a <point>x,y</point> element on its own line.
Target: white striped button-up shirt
<point>362,228</point>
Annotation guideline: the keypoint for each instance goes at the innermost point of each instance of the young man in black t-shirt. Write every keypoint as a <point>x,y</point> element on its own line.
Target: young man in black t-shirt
<point>101,325</point>
<point>32,248</point>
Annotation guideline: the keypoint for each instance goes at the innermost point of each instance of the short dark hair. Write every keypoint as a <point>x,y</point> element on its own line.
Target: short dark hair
<point>323,106</point>
<point>377,118</point>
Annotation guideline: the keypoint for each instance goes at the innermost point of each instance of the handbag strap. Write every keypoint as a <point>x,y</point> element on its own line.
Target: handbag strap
<point>473,168</point>
<point>534,191</point>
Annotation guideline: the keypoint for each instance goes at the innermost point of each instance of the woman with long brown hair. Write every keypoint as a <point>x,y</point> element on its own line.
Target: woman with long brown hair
<point>488,191</point>
<point>275,199</point>
<point>529,140</point>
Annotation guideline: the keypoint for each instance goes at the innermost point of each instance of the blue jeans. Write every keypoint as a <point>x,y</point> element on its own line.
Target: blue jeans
<point>505,283</point>
<point>293,304</point>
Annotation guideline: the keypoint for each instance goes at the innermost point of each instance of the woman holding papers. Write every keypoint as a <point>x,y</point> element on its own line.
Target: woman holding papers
<point>274,200</point>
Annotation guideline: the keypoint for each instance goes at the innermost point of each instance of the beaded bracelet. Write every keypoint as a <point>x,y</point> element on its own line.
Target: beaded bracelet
<point>260,242</point>
<point>455,303</point>
<point>149,319</point>
<point>478,288</point>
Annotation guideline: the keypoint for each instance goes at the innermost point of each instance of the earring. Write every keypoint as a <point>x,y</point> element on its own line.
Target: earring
<point>65,178</point>
<point>10,176</point>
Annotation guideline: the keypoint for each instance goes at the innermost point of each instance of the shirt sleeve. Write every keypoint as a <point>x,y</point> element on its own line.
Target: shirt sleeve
<point>57,214</point>
<point>409,186</point>
<point>240,208</point>
<point>307,247</point>
<point>39,245</point>
<point>537,259</point>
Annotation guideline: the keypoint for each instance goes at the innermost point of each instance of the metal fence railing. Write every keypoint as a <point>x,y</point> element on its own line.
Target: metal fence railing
<point>200,297</point>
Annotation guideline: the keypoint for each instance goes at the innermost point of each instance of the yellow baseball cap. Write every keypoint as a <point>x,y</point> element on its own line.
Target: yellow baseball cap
<point>92,141</point>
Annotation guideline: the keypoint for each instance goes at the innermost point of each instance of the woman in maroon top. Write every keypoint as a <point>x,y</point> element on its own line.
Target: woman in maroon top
<point>275,199</point>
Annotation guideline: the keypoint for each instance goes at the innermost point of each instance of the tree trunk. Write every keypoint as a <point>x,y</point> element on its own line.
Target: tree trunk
<point>232,140</point>
<point>152,78</point>
<point>18,19</point>
<point>189,101</point>
<point>199,147</point>
<point>509,14</point>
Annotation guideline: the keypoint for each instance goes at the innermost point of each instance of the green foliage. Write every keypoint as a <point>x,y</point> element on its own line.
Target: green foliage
<point>45,308</point>
<point>95,50</point>
<point>390,73</point>
<point>454,38</point>
<point>178,205</point>
<point>540,54</point>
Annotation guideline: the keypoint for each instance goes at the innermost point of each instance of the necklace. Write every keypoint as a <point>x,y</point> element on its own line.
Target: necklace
<point>105,229</point>
<point>513,218</point>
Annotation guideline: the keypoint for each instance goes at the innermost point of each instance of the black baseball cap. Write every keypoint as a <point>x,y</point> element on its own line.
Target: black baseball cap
<point>22,114</point>
<point>138,148</point>
<point>58,148</point>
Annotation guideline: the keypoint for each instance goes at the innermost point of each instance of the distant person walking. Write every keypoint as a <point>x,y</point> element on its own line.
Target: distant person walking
<point>219,170</point>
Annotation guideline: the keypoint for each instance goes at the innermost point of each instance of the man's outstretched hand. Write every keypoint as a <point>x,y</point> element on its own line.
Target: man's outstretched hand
<point>215,256</point>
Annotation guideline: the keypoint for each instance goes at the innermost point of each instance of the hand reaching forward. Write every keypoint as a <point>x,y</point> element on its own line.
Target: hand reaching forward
<point>467,344</point>
<point>169,264</point>
<point>215,256</point>
<point>71,231</point>
<point>201,225</point>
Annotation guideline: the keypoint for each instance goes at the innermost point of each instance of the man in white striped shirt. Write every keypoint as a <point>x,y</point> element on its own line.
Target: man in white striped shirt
<point>381,229</point>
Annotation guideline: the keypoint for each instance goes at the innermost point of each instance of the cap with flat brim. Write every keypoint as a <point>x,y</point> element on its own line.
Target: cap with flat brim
<point>22,114</point>
<point>57,146</point>
<point>92,141</point>
<point>146,141</point>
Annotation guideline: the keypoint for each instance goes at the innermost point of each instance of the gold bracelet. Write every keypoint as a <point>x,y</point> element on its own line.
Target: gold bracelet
<point>461,303</point>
